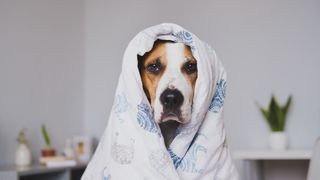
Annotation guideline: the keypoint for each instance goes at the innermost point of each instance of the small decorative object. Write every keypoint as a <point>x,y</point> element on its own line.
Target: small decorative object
<point>48,151</point>
<point>68,150</point>
<point>83,148</point>
<point>275,116</point>
<point>23,154</point>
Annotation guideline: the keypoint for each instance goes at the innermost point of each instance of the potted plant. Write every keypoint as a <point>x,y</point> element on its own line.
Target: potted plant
<point>48,151</point>
<point>275,115</point>
<point>23,154</point>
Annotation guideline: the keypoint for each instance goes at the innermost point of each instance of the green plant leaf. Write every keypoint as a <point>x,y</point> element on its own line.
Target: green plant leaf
<point>265,114</point>
<point>279,114</point>
<point>46,136</point>
<point>287,105</point>
<point>273,117</point>
<point>285,110</point>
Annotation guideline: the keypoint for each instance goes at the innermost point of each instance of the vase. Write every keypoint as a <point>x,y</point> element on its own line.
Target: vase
<point>278,140</point>
<point>48,152</point>
<point>23,155</point>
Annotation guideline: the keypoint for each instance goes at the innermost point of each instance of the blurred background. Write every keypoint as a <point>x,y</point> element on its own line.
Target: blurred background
<point>60,62</point>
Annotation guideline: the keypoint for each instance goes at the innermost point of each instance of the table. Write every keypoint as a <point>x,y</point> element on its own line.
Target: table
<point>253,160</point>
<point>41,172</point>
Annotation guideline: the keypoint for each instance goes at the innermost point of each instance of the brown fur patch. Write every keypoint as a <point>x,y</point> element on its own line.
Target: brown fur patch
<point>149,80</point>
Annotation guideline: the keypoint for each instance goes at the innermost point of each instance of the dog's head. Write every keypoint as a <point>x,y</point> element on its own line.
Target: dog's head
<point>169,73</point>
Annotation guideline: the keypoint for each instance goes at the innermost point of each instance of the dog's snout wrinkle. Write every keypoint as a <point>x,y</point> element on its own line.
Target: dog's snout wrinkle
<point>171,86</point>
<point>171,99</point>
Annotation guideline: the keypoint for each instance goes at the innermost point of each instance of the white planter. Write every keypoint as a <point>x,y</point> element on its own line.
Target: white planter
<point>23,155</point>
<point>278,140</point>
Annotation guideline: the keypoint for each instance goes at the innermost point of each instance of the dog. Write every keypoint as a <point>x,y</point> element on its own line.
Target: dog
<point>169,73</point>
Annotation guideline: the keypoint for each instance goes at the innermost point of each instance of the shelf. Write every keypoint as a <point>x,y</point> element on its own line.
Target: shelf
<point>35,172</point>
<point>272,155</point>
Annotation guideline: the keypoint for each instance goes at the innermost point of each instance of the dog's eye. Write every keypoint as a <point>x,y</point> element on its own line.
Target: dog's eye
<point>190,67</point>
<point>154,68</point>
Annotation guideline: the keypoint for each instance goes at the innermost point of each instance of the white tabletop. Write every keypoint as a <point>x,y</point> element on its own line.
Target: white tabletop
<point>272,154</point>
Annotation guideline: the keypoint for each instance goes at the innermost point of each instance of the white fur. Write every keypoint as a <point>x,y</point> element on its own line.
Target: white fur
<point>173,78</point>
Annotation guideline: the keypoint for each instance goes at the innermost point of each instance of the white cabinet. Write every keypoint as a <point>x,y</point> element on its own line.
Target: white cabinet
<point>260,164</point>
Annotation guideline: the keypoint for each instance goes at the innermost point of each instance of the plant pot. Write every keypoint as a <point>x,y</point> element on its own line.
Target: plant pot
<point>23,155</point>
<point>278,140</point>
<point>48,152</point>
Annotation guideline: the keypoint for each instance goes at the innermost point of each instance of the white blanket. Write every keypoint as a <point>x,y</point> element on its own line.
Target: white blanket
<point>132,146</point>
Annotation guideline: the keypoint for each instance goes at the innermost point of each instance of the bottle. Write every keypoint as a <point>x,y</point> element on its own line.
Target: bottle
<point>68,150</point>
<point>23,154</point>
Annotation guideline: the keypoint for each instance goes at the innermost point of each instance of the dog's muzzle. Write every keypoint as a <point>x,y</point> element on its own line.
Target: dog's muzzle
<point>171,100</point>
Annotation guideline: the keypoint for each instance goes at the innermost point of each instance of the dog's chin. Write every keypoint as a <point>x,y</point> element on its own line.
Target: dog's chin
<point>168,129</point>
<point>180,117</point>
<point>169,122</point>
<point>170,117</point>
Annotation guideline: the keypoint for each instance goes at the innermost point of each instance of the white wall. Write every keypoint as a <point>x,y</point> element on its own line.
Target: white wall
<point>60,62</point>
<point>266,46</point>
<point>41,72</point>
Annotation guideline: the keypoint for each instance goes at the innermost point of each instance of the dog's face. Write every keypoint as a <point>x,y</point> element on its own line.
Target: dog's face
<point>169,73</point>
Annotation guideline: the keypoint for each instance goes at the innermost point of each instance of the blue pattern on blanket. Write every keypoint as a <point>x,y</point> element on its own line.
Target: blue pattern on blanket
<point>185,37</point>
<point>189,162</point>
<point>108,177</point>
<point>120,103</point>
<point>105,174</point>
<point>209,50</point>
<point>218,98</point>
<point>175,158</point>
<point>145,118</point>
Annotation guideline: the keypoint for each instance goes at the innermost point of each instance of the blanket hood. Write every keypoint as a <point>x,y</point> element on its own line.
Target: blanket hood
<point>132,145</point>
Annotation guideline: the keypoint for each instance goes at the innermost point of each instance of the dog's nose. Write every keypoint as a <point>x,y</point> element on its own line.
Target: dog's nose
<point>171,98</point>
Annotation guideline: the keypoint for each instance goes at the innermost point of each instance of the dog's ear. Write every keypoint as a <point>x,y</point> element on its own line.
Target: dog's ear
<point>140,62</point>
<point>140,68</point>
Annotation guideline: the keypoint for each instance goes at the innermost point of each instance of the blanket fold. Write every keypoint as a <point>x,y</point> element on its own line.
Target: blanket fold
<point>132,146</point>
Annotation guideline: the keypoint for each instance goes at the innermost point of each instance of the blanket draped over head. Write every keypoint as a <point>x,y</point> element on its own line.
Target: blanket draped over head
<point>132,146</point>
